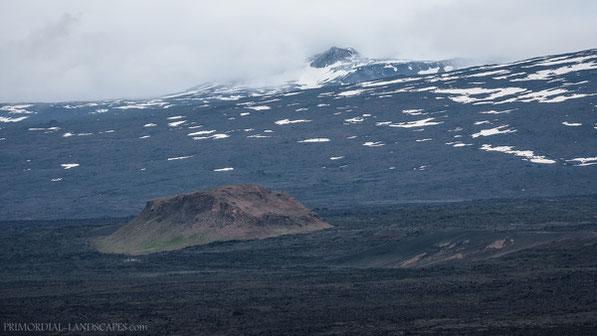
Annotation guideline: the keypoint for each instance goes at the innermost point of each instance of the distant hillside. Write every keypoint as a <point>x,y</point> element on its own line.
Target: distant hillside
<point>522,129</point>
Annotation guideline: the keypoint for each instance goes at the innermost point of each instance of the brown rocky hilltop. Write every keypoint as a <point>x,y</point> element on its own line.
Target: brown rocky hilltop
<point>235,212</point>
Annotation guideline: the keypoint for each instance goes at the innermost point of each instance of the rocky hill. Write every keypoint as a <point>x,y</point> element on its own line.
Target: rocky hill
<point>236,212</point>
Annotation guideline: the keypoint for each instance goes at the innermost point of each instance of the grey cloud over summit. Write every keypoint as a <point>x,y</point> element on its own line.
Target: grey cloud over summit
<point>78,50</point>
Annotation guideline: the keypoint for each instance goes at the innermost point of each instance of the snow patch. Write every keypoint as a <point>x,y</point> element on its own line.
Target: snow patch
<point>496,112</point>
<point>417,123</point>
<point>355,120</point>
<point>527,155</point>
<point>292,94</point>
<point>560,60</point>
<point>429,71</point>
<point>49,129</point>
<point>214,136</point>
<point>493,131</point>
<point>351,93</point>
<point>12,119</point>
<point>69,165</point>
<point>373,144</point>
<point>179,158</point>
<point>224,169</point>
<point>258,108</point>
<point>314,140</point>
<point>258,136</point>
<point>550,73</point>
<point>16,109</point>
<point>464,96</point>
<point>413,112</point>
<point>176,123</point>
<point>585,161</point>
<point>201,133</point>
<point>288,121</point>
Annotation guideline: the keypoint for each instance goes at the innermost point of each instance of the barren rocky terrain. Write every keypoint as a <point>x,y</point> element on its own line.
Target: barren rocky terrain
<point>327,282</point>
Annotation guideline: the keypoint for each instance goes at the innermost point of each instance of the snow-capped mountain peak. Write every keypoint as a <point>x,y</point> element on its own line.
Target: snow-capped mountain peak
<point>336,66</point>
<point>332,56</point>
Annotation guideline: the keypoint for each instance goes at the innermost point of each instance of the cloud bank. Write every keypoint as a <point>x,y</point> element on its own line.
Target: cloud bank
<point>82,50</point>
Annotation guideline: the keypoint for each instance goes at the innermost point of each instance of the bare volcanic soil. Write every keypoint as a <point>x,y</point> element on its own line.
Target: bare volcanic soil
<point>235,212</point>
<point>357,278</point>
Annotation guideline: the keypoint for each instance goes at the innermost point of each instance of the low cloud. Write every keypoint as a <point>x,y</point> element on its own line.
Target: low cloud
<point>79,50</point>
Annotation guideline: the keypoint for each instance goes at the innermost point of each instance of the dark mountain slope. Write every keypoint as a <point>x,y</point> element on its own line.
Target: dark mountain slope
<point>525,129</point>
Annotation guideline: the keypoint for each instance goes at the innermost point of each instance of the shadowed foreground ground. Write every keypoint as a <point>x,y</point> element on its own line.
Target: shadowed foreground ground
<point>306,284</point>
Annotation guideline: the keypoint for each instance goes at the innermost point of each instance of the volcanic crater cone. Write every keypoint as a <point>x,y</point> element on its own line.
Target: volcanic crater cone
<point>235,212</point>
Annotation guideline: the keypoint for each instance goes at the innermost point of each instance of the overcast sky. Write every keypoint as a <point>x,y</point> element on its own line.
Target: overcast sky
<point>83,50</point>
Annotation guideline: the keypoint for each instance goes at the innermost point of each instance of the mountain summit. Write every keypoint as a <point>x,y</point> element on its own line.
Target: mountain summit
<point>332,56</point>
<point>334,67</point>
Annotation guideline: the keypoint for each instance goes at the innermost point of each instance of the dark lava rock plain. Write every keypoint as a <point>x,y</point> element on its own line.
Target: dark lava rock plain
<point>527,267</point>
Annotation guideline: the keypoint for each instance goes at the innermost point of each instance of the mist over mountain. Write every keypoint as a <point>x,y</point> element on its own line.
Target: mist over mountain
<point>335,66</point>
<point>66,51</point>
